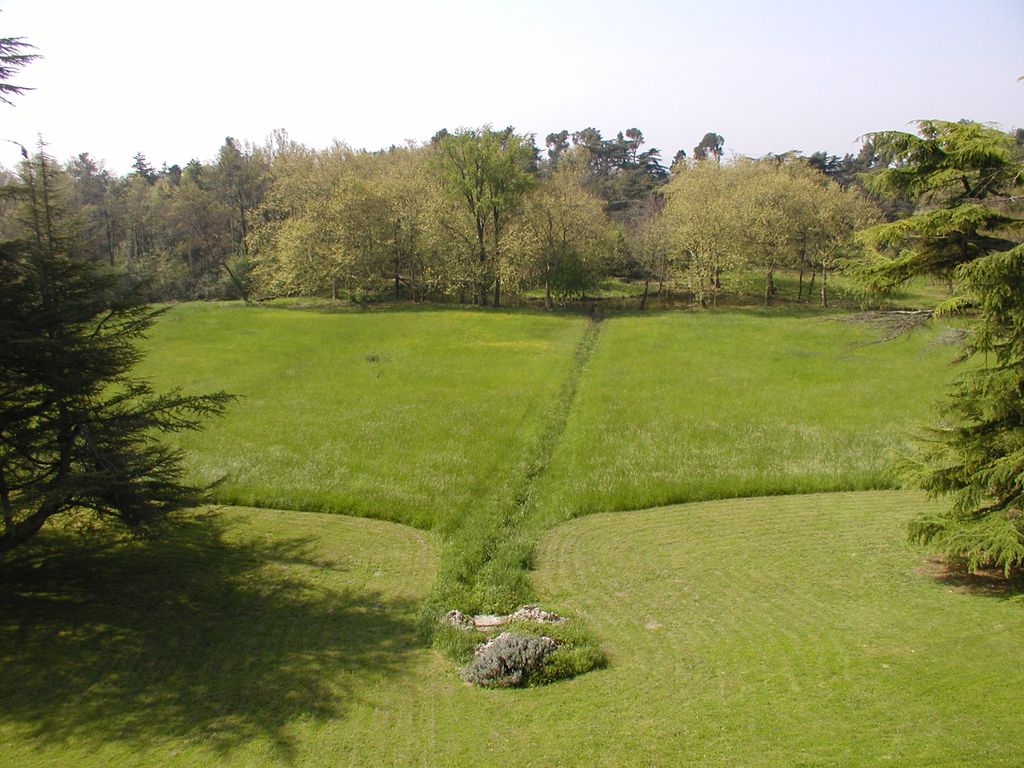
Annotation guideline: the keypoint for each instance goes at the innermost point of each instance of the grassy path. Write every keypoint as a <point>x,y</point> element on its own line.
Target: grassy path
<point>486,562</point>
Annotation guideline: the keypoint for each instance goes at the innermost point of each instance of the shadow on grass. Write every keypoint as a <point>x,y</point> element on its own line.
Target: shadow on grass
<point>985,582</point>
<point>593,308</point>
<point>199,636</point>
<point>392,306</point>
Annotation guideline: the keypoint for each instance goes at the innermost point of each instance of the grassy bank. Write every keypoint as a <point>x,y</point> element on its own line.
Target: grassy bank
<point>440,418</point>
<point>411,416</point>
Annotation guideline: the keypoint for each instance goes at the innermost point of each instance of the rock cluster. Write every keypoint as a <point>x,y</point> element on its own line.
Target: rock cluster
<point>533,613</point>
<point>486,621</point>
<point>459,620</point>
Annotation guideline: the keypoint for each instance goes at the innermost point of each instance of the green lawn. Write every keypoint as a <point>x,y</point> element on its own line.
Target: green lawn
<point>414,416</point>
<point>790,630</point>
<point>422,416</point>
<point>433,417</point>
<point>489,427</point>
<point>701,405</point>
<point>796,630</point>
<point>756,632</point>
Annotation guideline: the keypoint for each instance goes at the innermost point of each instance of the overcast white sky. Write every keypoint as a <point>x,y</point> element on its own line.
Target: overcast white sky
<point>172,79</point>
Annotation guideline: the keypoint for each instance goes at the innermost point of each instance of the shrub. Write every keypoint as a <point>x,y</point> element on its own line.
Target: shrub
<point>569,661</point>
<point>577,651</point>
<point>508,660</point>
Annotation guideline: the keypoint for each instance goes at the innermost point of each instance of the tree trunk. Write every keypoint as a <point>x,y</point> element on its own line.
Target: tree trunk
<point>803,261</point>
<point>547,294</point>
<point>643,299</point>
<point>110,236</point>
<point>245,229</point>
<point>824,287</point>
<point>5,504</point>
<point>334,288</point>
<point>810,285</point>
<point>496,255</point>
<point>769,286</point>
<point>239,286</point>
<point>482,255</point>
<point>25,530</point>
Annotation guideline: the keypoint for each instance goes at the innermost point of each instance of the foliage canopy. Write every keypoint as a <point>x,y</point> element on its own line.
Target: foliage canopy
<point>14,54</point>
<point>77,431</point>
<point>967,228</point>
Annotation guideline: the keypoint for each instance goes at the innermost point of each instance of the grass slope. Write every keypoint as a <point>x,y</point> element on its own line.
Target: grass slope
<point>438,418</point>
<point>753,632</point>
<point>688,406</point>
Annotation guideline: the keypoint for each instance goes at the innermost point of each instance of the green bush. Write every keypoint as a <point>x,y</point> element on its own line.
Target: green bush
<point>575,652</point>
<point>569,661</point>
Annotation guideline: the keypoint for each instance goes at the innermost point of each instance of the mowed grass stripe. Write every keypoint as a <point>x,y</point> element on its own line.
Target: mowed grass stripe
<point>802,627</point>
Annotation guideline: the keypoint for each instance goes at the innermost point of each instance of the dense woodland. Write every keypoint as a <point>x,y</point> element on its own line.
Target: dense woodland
<point>474,215</point>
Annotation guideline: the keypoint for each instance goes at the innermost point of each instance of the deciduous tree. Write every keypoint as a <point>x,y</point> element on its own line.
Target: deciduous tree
<point>700,224</point>
<point>559,239</point>
<point>488,172</point>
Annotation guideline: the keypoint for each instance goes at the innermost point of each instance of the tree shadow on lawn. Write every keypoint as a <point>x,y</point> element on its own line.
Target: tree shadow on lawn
<point>196,636</point>
<point>405,306</point>
<point>987,582</point>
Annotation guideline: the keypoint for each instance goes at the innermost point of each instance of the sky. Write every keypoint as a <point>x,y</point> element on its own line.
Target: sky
<point>173,79</point>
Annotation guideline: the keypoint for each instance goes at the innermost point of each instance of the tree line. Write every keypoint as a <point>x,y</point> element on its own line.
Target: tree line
<point>470,215</point>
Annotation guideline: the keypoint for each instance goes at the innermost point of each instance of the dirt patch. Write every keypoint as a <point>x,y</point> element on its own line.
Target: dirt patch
<point>984,581</point>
